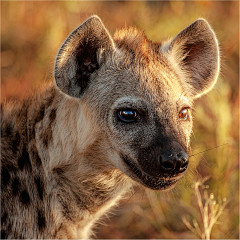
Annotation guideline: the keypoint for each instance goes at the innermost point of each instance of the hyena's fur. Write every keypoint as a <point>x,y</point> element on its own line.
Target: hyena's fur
<point>66,154</point>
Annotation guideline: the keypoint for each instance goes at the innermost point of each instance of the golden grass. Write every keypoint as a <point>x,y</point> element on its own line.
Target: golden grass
<point>209,208</point>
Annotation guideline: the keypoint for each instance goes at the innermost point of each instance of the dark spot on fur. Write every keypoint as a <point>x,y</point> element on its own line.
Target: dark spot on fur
<point>52,116</point>
<point>50,99</point>
<point>22,236</point>
<point>61,178</point>
<point>24,160</point>
<point>9,130</point>
<point>9,228</point>
<point>15,143</point>
<point>38,160</point>
<point>5,176</point>
<point>24,198</point>
<point>3,234</point>
<point>40,114</point>
<point>4,217</point>
<point>40,187</point>
<point>31,130</point>
<point>41,220</point>
<point>67,213</point>
<point>36,157</point>
<point>45,140</point>
<point>47,136</point>
<point>15,186</point>
<point>58,171</point>
<point>77,199</point>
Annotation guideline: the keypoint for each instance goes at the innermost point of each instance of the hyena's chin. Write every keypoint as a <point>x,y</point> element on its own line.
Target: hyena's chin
<point>165,182</point>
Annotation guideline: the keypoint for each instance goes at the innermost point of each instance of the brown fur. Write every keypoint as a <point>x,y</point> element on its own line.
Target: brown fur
<point>67,155</point>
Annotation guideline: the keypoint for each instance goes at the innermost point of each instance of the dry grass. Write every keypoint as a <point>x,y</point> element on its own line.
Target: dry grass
<point>209,208</point>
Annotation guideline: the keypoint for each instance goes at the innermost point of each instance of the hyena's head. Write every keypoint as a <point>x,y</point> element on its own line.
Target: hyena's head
<point>140,93</point>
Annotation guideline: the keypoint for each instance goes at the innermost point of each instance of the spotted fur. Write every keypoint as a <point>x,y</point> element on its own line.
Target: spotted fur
<point>67,153</point>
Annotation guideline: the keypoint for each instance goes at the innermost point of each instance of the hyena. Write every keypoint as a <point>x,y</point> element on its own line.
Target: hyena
<point>119,113</point>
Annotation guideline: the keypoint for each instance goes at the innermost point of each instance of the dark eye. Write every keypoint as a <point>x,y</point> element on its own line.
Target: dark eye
<point>183,114</point>
<point>128,115</point>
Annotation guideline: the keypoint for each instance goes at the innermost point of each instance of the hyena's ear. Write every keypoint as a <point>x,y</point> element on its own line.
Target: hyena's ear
<point>82,53</point>
<point>194,53</point>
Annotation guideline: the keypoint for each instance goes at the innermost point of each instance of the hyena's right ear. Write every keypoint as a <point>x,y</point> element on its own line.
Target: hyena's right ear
<point>81,55</point>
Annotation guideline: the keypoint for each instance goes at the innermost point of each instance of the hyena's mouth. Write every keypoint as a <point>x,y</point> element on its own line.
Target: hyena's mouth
<point>149,181</point>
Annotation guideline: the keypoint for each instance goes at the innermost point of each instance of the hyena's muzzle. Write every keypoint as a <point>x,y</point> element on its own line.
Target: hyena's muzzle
<point>158,167</point>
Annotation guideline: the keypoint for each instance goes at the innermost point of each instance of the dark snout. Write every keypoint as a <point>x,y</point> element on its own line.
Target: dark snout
<point>173,159</point>
<point>159,166</point>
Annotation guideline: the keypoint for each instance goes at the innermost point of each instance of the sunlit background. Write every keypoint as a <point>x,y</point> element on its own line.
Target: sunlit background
<point>31,33</point>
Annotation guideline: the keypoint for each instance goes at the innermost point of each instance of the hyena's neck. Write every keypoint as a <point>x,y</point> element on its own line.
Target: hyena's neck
<point>65,155</point>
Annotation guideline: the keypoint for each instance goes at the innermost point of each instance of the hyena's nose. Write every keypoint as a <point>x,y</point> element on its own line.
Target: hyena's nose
<point>173,162</point>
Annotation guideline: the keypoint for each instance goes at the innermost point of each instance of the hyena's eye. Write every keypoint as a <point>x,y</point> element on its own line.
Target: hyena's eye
<point>183,114</point>
<point>127,115</point>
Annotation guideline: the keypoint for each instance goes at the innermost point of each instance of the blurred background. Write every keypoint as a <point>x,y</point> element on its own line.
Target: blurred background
<point>32,32</point>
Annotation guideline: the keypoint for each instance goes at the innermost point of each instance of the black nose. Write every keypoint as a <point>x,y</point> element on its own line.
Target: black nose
<point>173,162</point>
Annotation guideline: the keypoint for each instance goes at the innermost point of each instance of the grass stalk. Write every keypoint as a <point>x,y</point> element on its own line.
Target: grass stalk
<point>210,211</point>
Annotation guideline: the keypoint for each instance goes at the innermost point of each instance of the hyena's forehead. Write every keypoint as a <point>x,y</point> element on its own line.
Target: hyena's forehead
<point>136,69</point>
<point>133,40</point>
<point>147,65</point>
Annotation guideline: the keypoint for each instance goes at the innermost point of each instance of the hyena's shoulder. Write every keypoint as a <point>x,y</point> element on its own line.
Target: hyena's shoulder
<point>14,164</point>
<point>23,188</point>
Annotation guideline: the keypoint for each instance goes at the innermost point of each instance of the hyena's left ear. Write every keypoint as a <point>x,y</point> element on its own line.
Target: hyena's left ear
<point>194,53</point>
<point>82,53</point>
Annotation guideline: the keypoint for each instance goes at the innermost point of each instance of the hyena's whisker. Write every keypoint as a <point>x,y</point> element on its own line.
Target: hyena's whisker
<point>208,149</point>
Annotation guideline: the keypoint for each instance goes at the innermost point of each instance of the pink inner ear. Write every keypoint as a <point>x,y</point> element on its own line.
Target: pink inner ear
<point>193,51</point>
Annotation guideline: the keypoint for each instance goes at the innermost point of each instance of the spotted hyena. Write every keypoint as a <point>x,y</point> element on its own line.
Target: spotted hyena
<point>119,113</point>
